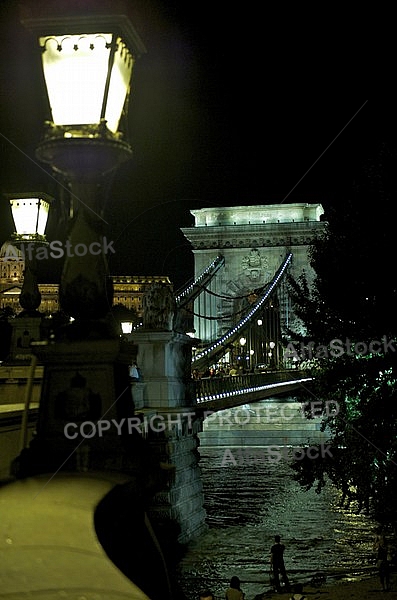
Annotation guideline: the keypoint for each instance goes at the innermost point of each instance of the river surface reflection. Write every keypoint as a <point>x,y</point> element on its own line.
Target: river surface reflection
<point>247,504</point>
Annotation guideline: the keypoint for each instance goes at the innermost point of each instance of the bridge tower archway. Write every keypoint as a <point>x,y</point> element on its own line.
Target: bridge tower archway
<point>254,241</point>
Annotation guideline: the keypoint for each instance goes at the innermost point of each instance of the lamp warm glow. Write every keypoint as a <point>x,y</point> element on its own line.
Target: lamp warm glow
<point>87,77</point>
<point>87,64</point>
<point>242,341</point>
<point>30,214</point>
<point>272,345</point>
<point>126,327</point>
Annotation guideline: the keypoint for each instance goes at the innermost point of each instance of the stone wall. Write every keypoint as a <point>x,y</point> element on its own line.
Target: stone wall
<point>166,407</point>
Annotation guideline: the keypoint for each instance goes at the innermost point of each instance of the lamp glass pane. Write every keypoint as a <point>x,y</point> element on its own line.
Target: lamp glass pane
<point>43,216</point>
<point>119,85</point>
<point>76,76</point>
<point>25,215</point>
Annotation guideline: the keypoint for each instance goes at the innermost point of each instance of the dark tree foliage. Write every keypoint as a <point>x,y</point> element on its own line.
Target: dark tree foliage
<point>354,300</point>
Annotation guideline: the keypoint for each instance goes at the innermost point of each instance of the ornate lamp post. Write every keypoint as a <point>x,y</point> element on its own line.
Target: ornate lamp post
<point>87,65</point>
<point>30,214</point>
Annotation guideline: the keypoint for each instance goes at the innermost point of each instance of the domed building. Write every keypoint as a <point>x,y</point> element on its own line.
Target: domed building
<point>12,266</point>
<point>12,263</point>
<point>128,290</point>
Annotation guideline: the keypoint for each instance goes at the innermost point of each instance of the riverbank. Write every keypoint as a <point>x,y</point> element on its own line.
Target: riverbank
<point>366,589</point>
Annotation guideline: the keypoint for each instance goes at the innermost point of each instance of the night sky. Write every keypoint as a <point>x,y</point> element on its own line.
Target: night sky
<point>219,115</point>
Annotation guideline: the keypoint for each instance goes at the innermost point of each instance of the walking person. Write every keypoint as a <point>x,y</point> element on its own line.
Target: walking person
<point>277,564</point>
<point>234,591</point>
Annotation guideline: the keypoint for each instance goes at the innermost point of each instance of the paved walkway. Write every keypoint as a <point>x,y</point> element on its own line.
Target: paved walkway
<point>48,545</point>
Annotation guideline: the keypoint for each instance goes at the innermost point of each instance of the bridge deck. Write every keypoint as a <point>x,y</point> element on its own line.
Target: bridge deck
<point>218,393</point>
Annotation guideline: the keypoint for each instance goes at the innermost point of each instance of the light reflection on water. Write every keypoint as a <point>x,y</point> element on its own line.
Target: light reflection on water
<point>247,505</point>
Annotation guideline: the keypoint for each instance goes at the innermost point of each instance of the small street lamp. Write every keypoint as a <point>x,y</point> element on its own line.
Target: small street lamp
<point>30,214</point>
<point>272,345</point>
<point>126,327</point>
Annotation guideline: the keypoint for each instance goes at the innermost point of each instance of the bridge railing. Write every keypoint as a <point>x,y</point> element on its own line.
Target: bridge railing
<point>210,388</point>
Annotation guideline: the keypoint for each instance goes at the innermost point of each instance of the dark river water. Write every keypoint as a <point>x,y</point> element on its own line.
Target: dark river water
<point>247,504</point>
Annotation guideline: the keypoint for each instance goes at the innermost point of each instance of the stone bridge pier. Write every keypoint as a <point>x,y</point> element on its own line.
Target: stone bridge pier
<point>164,402</point>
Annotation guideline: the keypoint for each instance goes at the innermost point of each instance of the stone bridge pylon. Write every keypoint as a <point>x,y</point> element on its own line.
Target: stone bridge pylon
<point>253,241</point>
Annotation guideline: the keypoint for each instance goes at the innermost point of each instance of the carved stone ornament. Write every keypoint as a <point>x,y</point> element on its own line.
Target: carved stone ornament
<point>253,263</point>
<point>159,307</point>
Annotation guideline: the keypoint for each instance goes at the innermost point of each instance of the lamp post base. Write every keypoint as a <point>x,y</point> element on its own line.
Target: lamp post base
<point>84,409</point>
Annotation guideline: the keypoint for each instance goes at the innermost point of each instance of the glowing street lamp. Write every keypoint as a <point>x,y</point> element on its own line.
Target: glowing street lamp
<point>126,327</point>
<point>30,214</point>
<point>272,345</point>
<point>87,63</point>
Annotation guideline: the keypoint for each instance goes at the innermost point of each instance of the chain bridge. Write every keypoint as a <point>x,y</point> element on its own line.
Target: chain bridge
<point>236,314</point>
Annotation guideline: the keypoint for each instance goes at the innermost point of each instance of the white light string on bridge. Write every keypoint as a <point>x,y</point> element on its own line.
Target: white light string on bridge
<point>252,389</point>
<point>210,270</point>
<point>232,332</point>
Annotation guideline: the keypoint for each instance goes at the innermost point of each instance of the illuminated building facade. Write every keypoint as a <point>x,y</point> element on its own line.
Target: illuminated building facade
<point>128,289</point>
<point>254,241</point>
